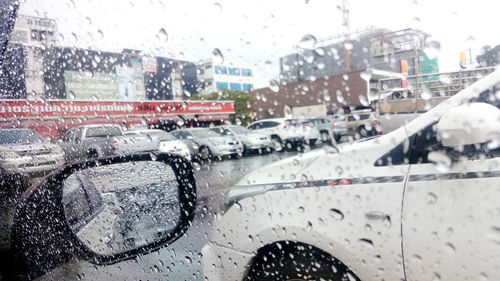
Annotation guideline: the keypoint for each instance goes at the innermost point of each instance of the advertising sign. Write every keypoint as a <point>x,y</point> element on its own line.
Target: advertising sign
<point>90,86</point>
<point>404,71</point>
<point>18,109</point>
<point>126,83</point>
<point>149,64</point>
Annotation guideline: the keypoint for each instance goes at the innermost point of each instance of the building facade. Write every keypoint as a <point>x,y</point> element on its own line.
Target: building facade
<point>371,48</point>
<point>213,76</point>
<point>36,67</point>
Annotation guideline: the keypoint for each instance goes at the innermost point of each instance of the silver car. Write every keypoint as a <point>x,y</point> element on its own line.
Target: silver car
<point>210,143</point>
<point>24,151</point>
<point>250,140</point>
<point>331,128</point>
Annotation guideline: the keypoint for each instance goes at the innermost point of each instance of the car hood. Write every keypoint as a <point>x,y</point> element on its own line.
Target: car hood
<point>349,159</point>
<point>31,148</point>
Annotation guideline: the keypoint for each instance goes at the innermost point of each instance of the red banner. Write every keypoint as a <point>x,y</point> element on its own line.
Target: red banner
<point>19,109</point>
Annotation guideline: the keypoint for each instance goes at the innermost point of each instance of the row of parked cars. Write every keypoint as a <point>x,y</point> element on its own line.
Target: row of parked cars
<point>23,151</point>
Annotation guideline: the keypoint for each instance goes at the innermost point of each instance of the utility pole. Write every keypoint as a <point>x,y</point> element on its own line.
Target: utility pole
<point>347,39</point>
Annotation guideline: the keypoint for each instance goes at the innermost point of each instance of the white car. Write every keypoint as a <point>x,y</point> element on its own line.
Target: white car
<point>419,203</point>
<point>164,142</point>
<point>282,131</point>
<point>249,139</point>
<point>24,151</point>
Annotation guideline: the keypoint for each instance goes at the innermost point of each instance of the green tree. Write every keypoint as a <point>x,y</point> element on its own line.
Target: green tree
<point>243,102</point>
<point>490,56</point>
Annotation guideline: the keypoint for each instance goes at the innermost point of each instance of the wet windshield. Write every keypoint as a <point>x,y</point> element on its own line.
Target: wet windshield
<point>279,140</point>
<point>19,136</point>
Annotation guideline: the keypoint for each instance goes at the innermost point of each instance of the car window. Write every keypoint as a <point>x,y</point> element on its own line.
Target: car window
<point>19,136</point>
<point>205,133</point>
<point>239,130</point>
<point>103,132</point>
<point>255,126</point>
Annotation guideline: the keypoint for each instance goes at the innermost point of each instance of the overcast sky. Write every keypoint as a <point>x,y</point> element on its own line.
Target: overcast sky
<point>259,31</point>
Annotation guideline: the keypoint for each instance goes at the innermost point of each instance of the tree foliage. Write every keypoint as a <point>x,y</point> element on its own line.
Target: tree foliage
<point>490,56</point>
<point>243,102</point>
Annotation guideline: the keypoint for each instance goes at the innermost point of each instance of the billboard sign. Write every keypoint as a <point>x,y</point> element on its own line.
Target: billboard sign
<point>90,85</point>
<point>18,109</point>
<point>149,64</point>
<point>126,83</point>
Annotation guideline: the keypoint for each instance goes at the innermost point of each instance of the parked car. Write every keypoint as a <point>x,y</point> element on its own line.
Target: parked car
<point>92,141</point>
<point>166,142</point>
<point>283,132</point>
<point>25,152</point>
<point>330,128</point>
<point>250,140</point>
<point>339,127</point>
<point>424,195</point>
<point>312,133</point>
<point>365,123</point>
<point>211,145</point>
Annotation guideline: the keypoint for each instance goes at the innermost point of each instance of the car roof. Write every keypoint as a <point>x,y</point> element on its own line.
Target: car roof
<point>97,126</point>
<point>17,129</point>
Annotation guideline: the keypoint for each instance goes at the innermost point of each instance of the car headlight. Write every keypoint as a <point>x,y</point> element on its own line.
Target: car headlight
<point>8,154</point>
<point>58,150</point>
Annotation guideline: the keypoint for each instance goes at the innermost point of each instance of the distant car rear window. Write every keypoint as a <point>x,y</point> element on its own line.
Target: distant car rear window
<point>19,136</point>
<point>103,132</point>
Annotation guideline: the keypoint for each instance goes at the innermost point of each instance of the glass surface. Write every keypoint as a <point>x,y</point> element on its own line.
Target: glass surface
<point>19,136</point>
<point>120,207</point>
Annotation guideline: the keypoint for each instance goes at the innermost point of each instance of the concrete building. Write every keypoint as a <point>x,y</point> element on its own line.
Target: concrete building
<point>33,34</point>
<point>370,48</point>
<point>232,75</point>
<point>36,67</point>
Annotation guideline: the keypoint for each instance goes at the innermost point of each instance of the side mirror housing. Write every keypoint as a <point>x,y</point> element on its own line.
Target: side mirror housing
<point>52,224</point>
<point>472,123</point>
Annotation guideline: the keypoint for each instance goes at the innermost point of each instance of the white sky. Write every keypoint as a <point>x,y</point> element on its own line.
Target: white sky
<point>258,31</point>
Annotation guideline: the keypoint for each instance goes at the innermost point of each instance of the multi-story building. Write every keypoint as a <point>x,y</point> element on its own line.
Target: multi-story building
<point>370,48</point>
<point>213,76</point>
<point>37,67</point>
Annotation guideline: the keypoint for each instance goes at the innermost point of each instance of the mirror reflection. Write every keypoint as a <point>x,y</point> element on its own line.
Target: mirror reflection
<point>120,207</point>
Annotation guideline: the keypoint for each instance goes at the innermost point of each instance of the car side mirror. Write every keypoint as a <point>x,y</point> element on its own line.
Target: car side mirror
<point>473,123</point>
<point>104,211</point>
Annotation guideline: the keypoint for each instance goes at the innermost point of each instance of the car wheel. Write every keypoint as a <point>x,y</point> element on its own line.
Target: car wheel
<point>297,262</point>
<point>92,154</point>
<point>363,132</point>
<point>337,138</point>
<point>205,153</point>
<point>325,136</point>
<point>277,143</point>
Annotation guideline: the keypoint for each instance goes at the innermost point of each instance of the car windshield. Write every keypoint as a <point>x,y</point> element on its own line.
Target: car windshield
<point>281,140</point>
<point>19,136</point>
<point>205,133</point>
<point>103,132</point>
<point>239,130</point>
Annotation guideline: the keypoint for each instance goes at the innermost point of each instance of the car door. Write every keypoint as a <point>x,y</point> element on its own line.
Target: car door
<point>451,219</point>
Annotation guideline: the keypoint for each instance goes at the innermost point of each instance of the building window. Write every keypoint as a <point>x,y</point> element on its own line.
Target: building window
<point>246,72</point>
<point>247,87</point>
<point>221,85</point>
<point>234,71</point>
<point>35,35</point>
<point>235,86</point>
<point>208,66</point>
<point>220,69</point>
